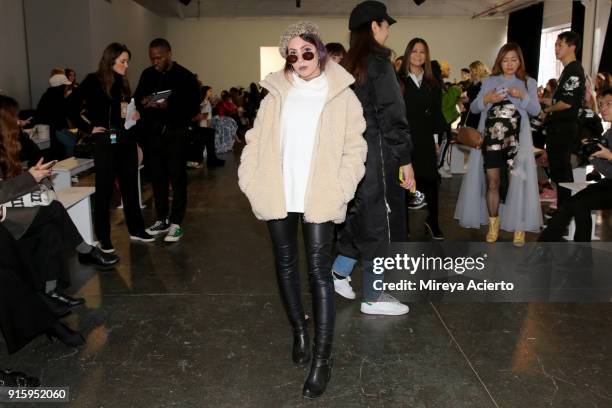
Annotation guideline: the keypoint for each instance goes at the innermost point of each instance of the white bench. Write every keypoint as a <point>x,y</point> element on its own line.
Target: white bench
<point>574,188</point>
<point>77,202</point>
<point>40,134</point>
<point>64,170</point>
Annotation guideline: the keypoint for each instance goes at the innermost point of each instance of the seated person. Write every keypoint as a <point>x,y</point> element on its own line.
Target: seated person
<point>596,196</point>
<point>24,312</point>
<point>43,233</point>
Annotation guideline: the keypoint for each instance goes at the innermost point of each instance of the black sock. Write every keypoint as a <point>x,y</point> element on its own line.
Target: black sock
<point>337,276</point>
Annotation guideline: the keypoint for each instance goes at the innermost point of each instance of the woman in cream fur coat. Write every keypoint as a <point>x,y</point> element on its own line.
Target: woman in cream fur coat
<point>303,160</point>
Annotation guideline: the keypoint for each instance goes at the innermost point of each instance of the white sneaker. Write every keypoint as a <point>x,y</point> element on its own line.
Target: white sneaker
<point>175,233</point>
<point>343,288</point>
<point>445,173</point>
<point>385,305</point>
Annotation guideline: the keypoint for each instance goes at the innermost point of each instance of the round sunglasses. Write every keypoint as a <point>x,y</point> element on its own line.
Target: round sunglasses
<point>307,56</point>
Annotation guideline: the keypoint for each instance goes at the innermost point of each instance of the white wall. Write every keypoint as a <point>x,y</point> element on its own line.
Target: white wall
<point>73,33</point>
<point>126,22</point>
<point>58,36</point>
<point>224,52</point>
<point>13,68</point>
<point>556,13</point>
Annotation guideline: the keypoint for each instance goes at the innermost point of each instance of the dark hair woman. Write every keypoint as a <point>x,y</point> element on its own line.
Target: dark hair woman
<point>105,95</point>
<point>301,165</point>
<point>335,51</point>
<point>507,98</point>
<point>423,97</point>
<point>377,216</point>
<point>41,234</point>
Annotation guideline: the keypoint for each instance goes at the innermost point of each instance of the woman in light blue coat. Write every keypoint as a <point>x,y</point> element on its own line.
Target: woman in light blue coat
<point>505,194</point>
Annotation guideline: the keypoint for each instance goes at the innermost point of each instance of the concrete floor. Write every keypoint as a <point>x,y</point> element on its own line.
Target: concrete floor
<point>200,324</point>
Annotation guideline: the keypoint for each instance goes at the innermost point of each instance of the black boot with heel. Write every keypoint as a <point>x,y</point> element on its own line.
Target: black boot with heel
<point>301,346</point>
<point>320,372</point>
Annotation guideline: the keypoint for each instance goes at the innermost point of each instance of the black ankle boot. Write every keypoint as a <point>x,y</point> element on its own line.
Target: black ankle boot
<point>301,345</point>
<point>320,372</point>
<point>65,334</point>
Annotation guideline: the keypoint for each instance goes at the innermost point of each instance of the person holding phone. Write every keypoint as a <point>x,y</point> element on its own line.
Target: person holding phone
<point>105,95</point>
<point>377,215</point>
<point>423,98</point>
<point>506,101</point>
<point>43,232</point>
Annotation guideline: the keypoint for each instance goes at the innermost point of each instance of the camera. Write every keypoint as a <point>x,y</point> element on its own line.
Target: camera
<point>590,146</point>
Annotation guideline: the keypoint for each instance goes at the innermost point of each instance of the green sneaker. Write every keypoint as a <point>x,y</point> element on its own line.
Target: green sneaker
<point>175,233</point>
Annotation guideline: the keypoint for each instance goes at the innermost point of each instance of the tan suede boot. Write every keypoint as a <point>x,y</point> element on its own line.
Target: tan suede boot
<point>519,238</point>
<point>493,229</point>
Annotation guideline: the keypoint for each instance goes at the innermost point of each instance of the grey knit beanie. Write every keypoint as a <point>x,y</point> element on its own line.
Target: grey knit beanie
<point>295,30</point>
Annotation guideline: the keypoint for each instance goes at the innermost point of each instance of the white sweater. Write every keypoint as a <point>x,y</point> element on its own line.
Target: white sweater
<point>299,125</point>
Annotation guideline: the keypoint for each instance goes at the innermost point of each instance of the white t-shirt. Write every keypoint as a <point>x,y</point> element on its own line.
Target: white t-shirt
<point>299,125</point>
<point>206,107</point>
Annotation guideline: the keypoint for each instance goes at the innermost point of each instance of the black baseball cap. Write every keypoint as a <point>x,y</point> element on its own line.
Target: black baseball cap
<point>368,11</point>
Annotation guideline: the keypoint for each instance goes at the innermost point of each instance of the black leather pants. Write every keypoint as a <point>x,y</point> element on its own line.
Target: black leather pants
<point>318,241</point>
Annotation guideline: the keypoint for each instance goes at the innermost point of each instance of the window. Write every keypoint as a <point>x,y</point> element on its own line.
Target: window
<point>269,61</point>
<point>549,66</point>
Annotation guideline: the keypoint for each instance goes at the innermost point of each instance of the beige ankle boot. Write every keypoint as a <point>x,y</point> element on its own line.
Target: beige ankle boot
<point>493,229</point>
<point>519,238</point>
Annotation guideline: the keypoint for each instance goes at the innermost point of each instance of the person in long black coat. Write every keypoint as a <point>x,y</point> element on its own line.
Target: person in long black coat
<point>377,215</point>
<point>423,98</point>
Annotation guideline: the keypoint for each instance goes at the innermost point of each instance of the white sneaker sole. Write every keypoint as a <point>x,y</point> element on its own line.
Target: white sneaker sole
<point>172,239</point>
<point>156,232</point>
<point>346,295</point>
<point>135,238</point>
<point>384,312</point>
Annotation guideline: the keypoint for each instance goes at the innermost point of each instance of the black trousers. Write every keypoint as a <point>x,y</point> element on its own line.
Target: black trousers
<point>430,188</point>
<point>23,315</point>
<point>318,240</point>
<point>595,197</point>
<point>116,162</point>
<point>167,158</point>
<point>43,248</point>
<point>560,139</point>
<point>202,137</point>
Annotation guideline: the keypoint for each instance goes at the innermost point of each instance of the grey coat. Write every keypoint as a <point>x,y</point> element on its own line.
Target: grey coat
<point>18,220</point>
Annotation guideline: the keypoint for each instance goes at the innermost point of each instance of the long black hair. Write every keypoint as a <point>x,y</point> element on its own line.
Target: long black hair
<point>105,68</point>
<point>362,43</point>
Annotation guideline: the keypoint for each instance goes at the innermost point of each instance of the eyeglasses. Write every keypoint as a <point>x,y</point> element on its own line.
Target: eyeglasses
<point>307,56</point>
<point>605,104</point>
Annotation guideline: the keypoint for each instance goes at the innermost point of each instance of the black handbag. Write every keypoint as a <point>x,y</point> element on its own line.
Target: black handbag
<point>84,148</point>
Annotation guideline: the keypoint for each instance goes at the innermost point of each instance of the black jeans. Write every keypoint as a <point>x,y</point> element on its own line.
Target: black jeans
<point>202,137</point>
<point>560,139</point>
<point>116,162</point>
<point>430,188</point>
<point>318,241</point>
<point>595,197</point>
<point>168,158</point>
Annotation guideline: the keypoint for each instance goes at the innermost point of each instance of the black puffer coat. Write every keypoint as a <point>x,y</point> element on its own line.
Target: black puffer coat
<point>377,214</point>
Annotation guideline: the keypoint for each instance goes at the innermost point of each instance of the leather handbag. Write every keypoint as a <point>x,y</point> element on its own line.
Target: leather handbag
<point>470,137</point>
